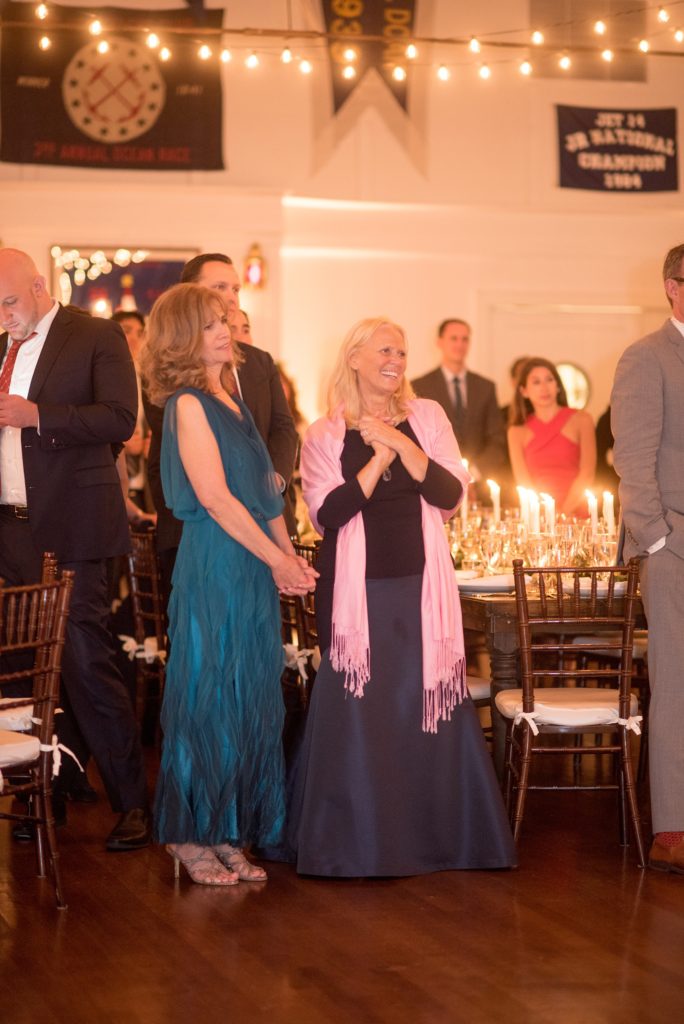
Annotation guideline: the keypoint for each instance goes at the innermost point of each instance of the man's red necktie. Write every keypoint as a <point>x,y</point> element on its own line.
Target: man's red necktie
<point>8,367</point>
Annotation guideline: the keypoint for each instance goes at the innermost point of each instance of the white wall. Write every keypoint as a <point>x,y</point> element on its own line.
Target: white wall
<point>459,216</point>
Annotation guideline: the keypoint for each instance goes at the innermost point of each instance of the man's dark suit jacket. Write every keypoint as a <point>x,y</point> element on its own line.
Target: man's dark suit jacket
<point>483,438</point>
<point>84,387</point>
<point>263,395</point>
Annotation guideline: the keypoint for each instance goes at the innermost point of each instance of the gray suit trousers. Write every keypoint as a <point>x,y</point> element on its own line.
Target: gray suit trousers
<point>662,588</point>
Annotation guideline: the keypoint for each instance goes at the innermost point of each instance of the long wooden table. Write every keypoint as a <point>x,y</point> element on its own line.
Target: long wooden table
<point>494,617</point>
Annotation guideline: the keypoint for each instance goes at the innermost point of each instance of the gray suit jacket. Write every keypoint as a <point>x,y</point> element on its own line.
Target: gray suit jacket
<point>483,438</point>
<point>647,418</point>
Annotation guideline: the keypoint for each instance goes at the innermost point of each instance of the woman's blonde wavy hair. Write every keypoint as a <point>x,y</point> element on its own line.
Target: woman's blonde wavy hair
<point>344,384</point>
<point>171,356</point>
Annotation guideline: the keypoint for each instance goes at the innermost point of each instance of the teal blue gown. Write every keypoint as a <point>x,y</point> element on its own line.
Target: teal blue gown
<point>222,775</point>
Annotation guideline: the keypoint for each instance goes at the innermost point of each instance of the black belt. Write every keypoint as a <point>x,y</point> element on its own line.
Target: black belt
<point>14,512</point>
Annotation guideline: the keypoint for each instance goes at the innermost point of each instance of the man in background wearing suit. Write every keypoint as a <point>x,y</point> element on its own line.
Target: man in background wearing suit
<point>647,412</point>
<point>67,395</point>
<point>258,384</point>
<point>469,401</point>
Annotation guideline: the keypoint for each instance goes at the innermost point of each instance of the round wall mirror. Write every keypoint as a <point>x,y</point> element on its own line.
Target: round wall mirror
<point>576,384</point>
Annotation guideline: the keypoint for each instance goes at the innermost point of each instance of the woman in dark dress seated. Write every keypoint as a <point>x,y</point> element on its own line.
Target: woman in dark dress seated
<point>393,777</point>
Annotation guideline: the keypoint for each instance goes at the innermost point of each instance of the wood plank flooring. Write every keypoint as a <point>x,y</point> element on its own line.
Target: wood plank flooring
<point>576,935</point>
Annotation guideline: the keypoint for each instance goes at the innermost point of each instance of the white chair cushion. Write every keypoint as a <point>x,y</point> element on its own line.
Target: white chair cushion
<point>570,706</point>
<point>479,689</point>
<point>17,748</point>
<point>15,719</point>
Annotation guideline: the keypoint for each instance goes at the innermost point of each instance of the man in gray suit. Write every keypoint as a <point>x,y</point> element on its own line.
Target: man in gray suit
<point>647,415</point>
<point>469,401</point>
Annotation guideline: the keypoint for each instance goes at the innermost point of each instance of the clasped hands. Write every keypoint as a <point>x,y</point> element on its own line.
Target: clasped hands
<point>294,576</point>
<point>16,411</point>
<point>382,437</point>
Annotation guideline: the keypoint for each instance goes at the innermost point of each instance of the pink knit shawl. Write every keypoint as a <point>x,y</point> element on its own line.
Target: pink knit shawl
<point>443,648</point>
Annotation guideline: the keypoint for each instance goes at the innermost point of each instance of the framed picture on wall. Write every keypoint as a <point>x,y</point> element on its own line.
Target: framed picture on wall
<point>104,280</point>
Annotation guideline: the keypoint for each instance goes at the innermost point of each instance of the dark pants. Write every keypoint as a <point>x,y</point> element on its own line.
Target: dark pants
<point>96,693</point>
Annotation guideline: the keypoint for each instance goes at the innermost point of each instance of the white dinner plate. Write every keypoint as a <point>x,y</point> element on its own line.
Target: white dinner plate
<point>601,587</point>
<point>488,585</point>
<point>467,574</point>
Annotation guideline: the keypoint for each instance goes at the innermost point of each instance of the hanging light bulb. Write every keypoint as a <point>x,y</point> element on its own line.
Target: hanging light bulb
<point>525,68</point>
<point>565,63</point>
<point>204,52</point>
<point>286,55</point>
<point>679,36</point>
<point>663,16</point>
<point>226,56</point>
<point>443,73</point>
<point>485,71</point>
<point>306,67</point>
<point>103,46</point>
<point>349,72</point>
<point>349,54</point>
<point>411,51</point>
<point>399,73</point>
<point>474,45</point>
<point>607,55</point>
<point>644,45</point>
<point>95,27</point>
<point>537,37</point>
<point>164,53</point>
<point>41,12</point>
<point>152,40</point>
<point>600,27</point>
<point>45,42</point>
<point>252,61</point>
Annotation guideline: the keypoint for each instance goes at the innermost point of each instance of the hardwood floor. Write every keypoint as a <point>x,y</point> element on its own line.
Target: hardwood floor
<point>576,934</point>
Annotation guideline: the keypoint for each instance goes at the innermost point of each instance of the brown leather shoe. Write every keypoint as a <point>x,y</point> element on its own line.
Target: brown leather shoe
<point>667,858</point>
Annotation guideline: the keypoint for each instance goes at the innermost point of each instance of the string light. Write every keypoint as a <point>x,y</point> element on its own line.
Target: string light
<point>663,16</point>
<point>152,40</point>
<point>306,67</point>
<point>164,53</point>
<point>350,54</point>
<point>485,71</point>
<point>252,61</point>
<point>644,45</point>
<point>204,52</point>
<point>226,56</point>
<point>443,73</point>
<point>349,72</point>
<point>95,27</point>
<point>399,74</point>
<point>607,55</point>
<point>679,36</point>
<point>600,28</point>
<point>45,42</point>
<point>286,55</point>
<point>474,45</point>
<point>565,63</point>
<point>411,51</point>
<point>41,12</point>
<point>537,37</point>
<point>525,68</point>
<point>103,46</point>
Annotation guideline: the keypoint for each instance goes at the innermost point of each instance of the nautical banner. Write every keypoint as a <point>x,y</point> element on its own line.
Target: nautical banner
<point>618,150</point>
<point>348,19</point>
<point>72,105</point>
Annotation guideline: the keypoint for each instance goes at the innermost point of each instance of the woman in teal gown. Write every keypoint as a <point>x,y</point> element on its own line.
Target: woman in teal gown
<point>221,781</point>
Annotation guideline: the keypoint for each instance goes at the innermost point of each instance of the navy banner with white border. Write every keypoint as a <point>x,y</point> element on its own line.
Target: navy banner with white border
<point>70,105</point>
<point>392,20</point>
<point>618,150</point>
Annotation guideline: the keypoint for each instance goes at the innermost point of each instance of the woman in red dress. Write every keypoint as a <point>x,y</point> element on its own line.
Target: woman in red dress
<point>552,447</point>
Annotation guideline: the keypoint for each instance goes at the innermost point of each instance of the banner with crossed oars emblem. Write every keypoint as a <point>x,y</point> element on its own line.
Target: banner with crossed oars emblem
<point>71,105</point>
